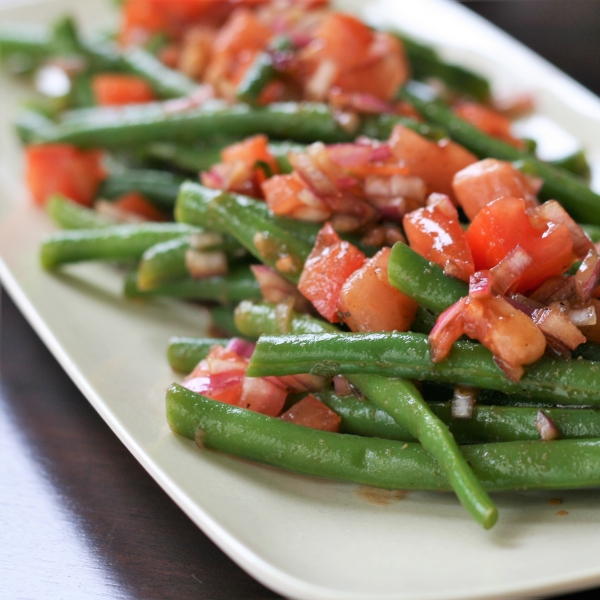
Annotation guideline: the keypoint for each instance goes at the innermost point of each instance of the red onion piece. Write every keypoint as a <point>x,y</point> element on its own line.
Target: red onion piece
<point>555,289</point>
<point>557,327</point>
<point>583,316</point>
<point>370,104</point>
<point>205,264</point>
<point>395,186</point>
<point>463,402</point>
<point>447,329</point>
<point>342,386</point>
<point>321,81</point>
<point>512,372</point>
<point>314,177</point>
<point>524,304</point>
<point>241,347</point>
<point>109,209</point>
<point>588,276</point>
<point>273,287</point>
<point>303,383</point>
<point>480,285</point>
<point>444,204</point>
<point>211,384</point>
<point>546,427</point>
<point>510,268</point>
<point>554,212</point>
<point>381,153</point>
<point>350,155</point>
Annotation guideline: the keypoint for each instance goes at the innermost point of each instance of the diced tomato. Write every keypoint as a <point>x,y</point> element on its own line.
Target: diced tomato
<point>263,395</point>
<point>328,266</point>
<point>434,162</point>
<point>333,35</point>
<point>250,151</point>
<point>503,224</point>
<point>435,233</point>
<point>135,203</point>
<point>311,412</point>
<point>487,119</point>
<point>114,89</point>
<point>487,180</point>
<point>369,303</point>
<point>63,169</point>
<point>508,333</point>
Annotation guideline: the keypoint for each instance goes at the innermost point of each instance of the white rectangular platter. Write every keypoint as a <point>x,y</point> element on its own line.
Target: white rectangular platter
<point>303,537</point>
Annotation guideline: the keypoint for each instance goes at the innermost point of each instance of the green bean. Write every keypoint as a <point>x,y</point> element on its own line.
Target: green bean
<point>108,243</point>
<point>400,397</point>
<point>188,158</point>
<point>161,187</point>
<point>571,191</point>
<point>261,71</point>
<point>31,125</point>
<point>487,424</point>
<point>575,163</point>
<point>65,38</point>
<point>404,403</point>
<point>380,127</point>
<point>70,215</point>
<point>565,382</point>
<point>194,202</point>
<point>163,264</point>
<point>184,353</point>
<point>261,236</point>
<point>425,63</point>
<point>23,48</point>
<point>112,127</point>
<point>166,82</point>
<point>374,462</point>
<point>224,322</point>
<point>234,287</point>
<point>423,280</point>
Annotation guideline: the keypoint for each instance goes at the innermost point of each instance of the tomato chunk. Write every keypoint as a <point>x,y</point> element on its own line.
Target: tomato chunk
<point>369,303</point>
<point>114,89</point>
<point>490,179</point>
<point>250,151</point>
<point>63,169</point>
<point>311,412</point>
<point>434,162</point>
<point>330,263</point>
<point>503,224</point>
<point>435,233</point>
<point>135,203</point>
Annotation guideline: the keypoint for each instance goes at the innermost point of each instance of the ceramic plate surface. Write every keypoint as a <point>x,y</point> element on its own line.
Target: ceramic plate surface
<point>303,537</point>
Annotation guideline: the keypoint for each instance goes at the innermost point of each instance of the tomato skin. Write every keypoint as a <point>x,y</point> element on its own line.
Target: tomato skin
<point>435,233</point>
<point>63,169</point>
<point>330,263</point>
<point>114,89</point>
<point>503,224</point>
<point>369,303</point>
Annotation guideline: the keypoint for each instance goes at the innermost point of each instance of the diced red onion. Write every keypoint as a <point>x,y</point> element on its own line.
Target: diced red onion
<point>210,384</point>
<point>321,81</point>
<point>241,347</point>
<point>392,209</point>
<point>205,239</point>
<point>546,427</point>
<point>588,276</point>
<point>370,104</point>
<point>524,304</point>
<point>463,402</point>
<point>273,287</point>
<point>583,316</point>
<point>552,211</point>
<point>381,153</point>
<point>205,264</point>
<point>395,186</point>
<point>346,182</point>
<point>342,386</point>
<point>350,155</point>
<point>553,289</point>
<point>447,329</point>
<point>510,269</point>
<point>109,209</point>
<point>213,178</point>
<point>480,285</point>
<point>556,326</point>
<point>314,177</point>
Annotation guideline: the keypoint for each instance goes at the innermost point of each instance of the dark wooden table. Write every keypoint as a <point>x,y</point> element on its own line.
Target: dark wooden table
<point>79,518</point>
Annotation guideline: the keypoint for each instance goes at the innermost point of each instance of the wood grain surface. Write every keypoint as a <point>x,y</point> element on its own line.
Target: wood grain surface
<point>79,517</point>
